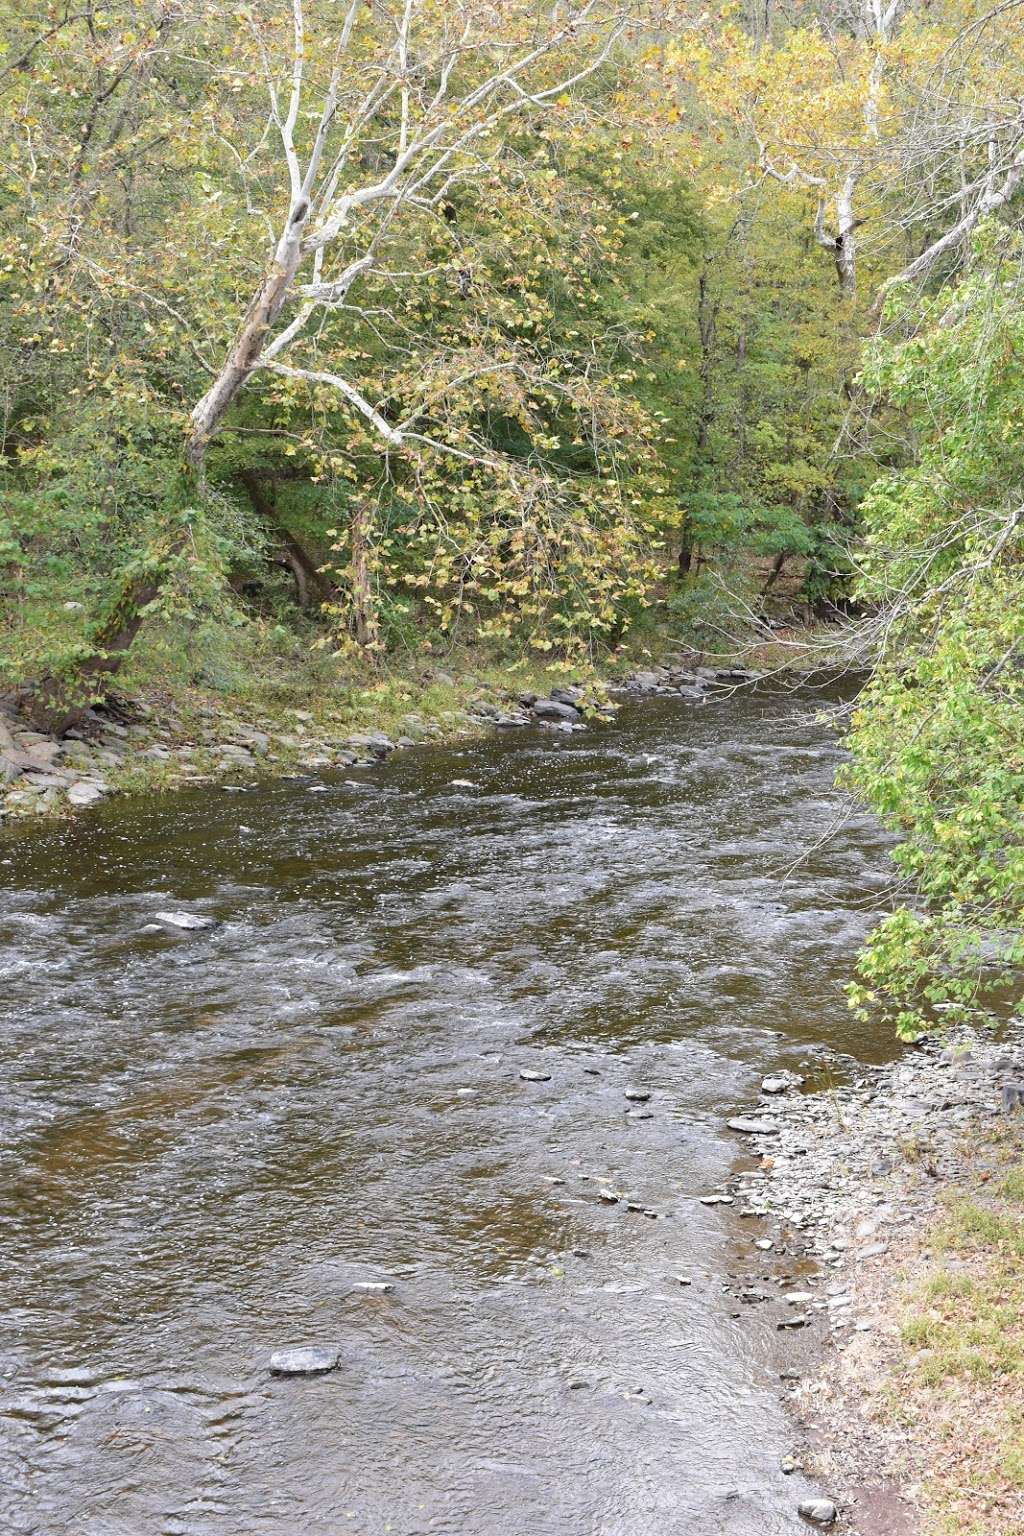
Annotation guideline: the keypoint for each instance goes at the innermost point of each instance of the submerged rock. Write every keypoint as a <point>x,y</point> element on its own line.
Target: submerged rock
<point>529,1075</point>
<point>303,1362</point>
<point>186,920</point>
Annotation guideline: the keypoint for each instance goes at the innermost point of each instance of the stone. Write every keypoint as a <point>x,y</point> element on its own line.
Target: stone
<point>530,1075</point>
<point>258,742</point>
<point>820,1512</point>
<point>85,793</point>
<point>780,1082</point>
<point>638,1095</point>
<point>748,1127</point>
<point>716,1200</point>
<point>188,921</point>
<point>372,741</point>
<point>303,1362</point>
<point>799,1320</point>
<point>374,1287</point>
<point>554,709</point>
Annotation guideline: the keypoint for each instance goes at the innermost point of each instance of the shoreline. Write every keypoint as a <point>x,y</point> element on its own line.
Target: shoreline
<point>137,746</point>
<point>857,1184</point>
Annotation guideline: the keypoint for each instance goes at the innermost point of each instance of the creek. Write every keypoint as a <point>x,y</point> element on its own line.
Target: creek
<point>211,1140</point>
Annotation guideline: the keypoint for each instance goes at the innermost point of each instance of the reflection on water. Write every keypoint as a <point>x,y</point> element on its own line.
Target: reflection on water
<point>209,1140</point>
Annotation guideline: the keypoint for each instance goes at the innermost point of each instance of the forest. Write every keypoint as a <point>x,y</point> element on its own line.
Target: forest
<point>377,331</point>
<point>355,349</point>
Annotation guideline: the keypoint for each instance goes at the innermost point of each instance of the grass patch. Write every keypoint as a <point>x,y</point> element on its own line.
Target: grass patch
<point>963,1350</point>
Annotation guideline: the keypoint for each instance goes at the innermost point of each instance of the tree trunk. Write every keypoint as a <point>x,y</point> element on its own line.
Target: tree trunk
<point>707,322</point>
<point>58,702</point>
<point>245,350</point>
<point>775,572</point>
<point>309,583</point>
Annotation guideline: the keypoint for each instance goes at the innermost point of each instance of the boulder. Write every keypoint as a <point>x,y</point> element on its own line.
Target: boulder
<point>554,709</point>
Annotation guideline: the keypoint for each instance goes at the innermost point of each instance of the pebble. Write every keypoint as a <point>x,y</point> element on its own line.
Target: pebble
<point>752,1127</point>
<point>638,1095</point>
<point>303,1362</point>
<point>529,1075</point>
<point>716,1200</point>
<point>799,1321</point>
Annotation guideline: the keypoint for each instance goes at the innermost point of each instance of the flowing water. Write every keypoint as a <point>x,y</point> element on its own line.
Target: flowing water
<point>210,1140</point>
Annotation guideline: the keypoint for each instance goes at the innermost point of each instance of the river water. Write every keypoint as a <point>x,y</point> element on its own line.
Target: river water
<point>210,1140</point>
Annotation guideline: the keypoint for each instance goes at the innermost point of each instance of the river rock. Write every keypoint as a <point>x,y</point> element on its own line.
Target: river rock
<point>374,1287</point>
<point>375,742</point>
<point>554,709</point>
<point>752,1127</point>
<point>188,921</point>
<point>84,793</point>
<point>821,1512</point>
<point>779,1082</point>
<point>716,1200</point>
<point>638,1095</point>
<point>647,682</point>
<point>303,1362</point>
<point>530,1075</point>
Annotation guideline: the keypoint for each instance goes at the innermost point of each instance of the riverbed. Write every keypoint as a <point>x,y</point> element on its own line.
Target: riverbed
<point>213,1141</point>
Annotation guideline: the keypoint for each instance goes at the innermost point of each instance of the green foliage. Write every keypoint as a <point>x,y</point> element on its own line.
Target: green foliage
<point>938,737</point>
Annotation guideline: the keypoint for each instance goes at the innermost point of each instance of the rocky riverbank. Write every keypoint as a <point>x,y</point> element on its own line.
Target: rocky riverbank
<point>139,744</point>
<point>854,1180</point>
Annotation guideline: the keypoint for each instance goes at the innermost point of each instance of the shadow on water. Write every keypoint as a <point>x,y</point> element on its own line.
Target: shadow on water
<point>210,1139</point>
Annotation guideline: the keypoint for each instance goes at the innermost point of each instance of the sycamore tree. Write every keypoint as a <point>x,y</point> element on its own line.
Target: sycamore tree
<point>285,205</point>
